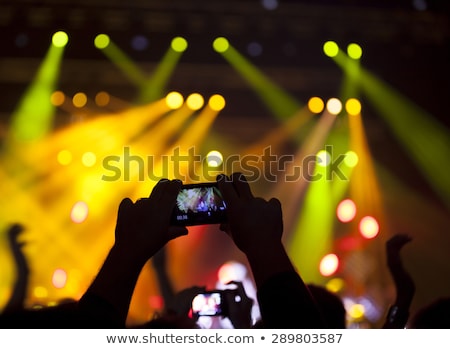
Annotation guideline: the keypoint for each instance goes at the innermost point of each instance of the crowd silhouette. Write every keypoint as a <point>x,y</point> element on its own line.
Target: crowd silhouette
<point>255,226</point>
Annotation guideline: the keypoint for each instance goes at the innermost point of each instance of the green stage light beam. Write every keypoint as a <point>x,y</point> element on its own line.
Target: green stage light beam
<point>154,88</point>
<point>421,134</point>
<point>120,59</point>
<point>312,237</point>
<point>33,117</point>
<point>280,103</point>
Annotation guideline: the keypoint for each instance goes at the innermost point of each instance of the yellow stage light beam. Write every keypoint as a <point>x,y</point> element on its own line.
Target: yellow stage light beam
<point>101,200</point>
<point>33,117</point>
<point>101,137</point>
<point>344,159</point>
<point>104,43</point>
<point>155,150</point>
<point>340,185</point>
<point>154,87</point>
<point>108,133</point>
<point>65,168</point>
<point>364,186</point>
<point>194,134</point>
<point>186,149</point>
<point>279,102</point>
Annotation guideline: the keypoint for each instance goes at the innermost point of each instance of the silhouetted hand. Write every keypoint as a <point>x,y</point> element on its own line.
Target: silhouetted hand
<point>18,295</point>
<point>142,229</point>
<point>254,224</point>
<point>404,283</point>
<point>16,248</point>
<point>256,227</point>
<point>239,306</point>
<point>182,301</point>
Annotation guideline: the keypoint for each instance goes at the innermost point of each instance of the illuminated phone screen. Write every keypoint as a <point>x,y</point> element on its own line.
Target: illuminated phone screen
<point>207,304</point>
<point>199,204</point>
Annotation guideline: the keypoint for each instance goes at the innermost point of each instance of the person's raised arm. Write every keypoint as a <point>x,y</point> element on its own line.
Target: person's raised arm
<point>256,227</point>
<point>398,313</point>
<point>17,300</point>
<point>159,264</point>
<point>142,229</point>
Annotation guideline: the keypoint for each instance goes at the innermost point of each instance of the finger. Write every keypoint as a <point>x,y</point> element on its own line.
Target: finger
<point>125,206</point>
<point>158,190</point>
<point>227,189</point>
<point>276,204</point>
<point>241,185</point>
<point>225,227</point>
<point>239,288</point>
<point>175,232</point>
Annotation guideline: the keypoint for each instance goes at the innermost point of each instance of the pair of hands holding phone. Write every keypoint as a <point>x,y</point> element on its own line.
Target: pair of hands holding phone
<point>253,223</point>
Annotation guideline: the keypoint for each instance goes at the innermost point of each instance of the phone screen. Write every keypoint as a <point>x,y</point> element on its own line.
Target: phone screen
<point>199,204</point>
<point>207,304</point>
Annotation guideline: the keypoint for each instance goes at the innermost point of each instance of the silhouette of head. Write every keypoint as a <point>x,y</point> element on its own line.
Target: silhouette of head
<point>434,315</point>
<point>330,305</point>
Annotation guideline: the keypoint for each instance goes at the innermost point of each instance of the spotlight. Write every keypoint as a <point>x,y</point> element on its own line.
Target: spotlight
<point>179,44</point>
<point>329,264</point>
<point>214,158</point>
<point>315,105</point>
<point>102,41</point>
<point>60,39</point>
<point>346,210</point>
<point>323,158</point>
<point>335,285</point>
<point>351,158</point>
<point>216,102</point>
<point>221,44</point>
<point>354,51</point>
<point>64,157</point>
<point>369,227</point>
<point>331,49</point>
<point>357,311</point>
<point>89,159</point>
<point>79,100</point>
<point>195,101</point>
<point>57,98</point>
<point>59,278</point>
<point>79,212</point>
<point>334,106</point>
<point>174,100</point>
<point>102,99</point>
<point>353,106</point>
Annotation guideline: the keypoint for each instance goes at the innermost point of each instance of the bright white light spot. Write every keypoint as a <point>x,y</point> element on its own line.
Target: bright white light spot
<point>79,212</point>
<point>329,264</point>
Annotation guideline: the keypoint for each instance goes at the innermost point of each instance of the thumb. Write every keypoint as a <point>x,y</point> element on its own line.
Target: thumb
<point>125,208</point>
<point>177,231</point>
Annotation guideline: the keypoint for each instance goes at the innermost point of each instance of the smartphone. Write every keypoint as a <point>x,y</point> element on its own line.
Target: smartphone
<point>211,303</point>
<point>198,204</point>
